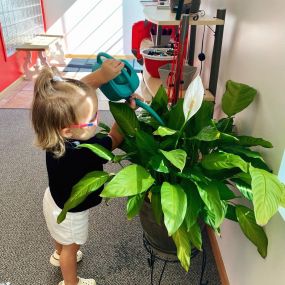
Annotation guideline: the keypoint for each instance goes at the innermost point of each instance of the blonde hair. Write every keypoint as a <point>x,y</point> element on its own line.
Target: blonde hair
<point>53,108</point>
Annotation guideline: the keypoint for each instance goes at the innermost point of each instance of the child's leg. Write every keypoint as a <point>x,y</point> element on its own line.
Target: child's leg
<point>68,263</point>
<point>58,247</point>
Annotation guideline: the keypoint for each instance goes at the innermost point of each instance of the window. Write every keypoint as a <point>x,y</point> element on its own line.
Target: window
<point>20,21</point>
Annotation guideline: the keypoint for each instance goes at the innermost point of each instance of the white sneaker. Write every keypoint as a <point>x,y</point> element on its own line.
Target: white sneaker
<point>82,281</point>
<point>54,259</point>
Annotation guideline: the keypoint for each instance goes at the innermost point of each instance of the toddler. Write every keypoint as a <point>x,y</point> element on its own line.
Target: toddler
<point>64,115</point>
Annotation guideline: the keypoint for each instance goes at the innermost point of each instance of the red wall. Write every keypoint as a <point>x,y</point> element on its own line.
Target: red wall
<point>11,67</point>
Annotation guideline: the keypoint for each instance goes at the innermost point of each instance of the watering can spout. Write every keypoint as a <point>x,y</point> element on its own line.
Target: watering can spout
<point>123,86</point>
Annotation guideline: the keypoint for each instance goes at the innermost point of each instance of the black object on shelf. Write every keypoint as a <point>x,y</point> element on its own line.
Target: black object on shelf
<point>179,9</point>
<point>184,7</point>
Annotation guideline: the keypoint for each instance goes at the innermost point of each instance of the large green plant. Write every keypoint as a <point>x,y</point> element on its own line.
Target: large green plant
<point>188,169</point>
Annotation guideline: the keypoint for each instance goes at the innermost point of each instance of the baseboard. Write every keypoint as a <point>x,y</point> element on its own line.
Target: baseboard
<point>218,257</point>
<point>87,56</point>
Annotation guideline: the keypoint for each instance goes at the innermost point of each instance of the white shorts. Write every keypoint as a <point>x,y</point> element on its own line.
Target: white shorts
<point>74,229</point>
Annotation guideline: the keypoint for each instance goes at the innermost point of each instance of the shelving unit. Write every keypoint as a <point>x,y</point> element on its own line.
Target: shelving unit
<point>165,17</point>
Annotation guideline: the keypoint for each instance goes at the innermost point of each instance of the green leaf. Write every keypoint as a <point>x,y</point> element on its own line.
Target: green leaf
<point>196,236</point>
<point>242,151</point>
<point>99,150</point>
<point>176,116</point>
<point>131,180</point>
<point>225,125</point>
<point>169,142</point>
<point>203,117</point>
<point>237,97</point>
<point>209,133</point>
<point>243,187</point>
<point>164,131</point>
<point>245,177</point>
<point>252,231</point>
<point>194,174</point>
<point>231,213</point>
<point>251,141</point>
<point>211,197</point>
<point>222,160</point>
<point>146,143</point>
<point>267,193</point>
<point>156,204</point>
<point>228,138</point>
<point>160,101</point>
<point>194,204</point>
<point>147,146</point>
<point>177,157</point>
<point>134,205</point>
<point>125,117</point>
<point>88,184</point>
<point>104,127</point>
<point>224,191</point>
<point>159,163</point>
<point>182,241</point>
<point>248,155</point>
<point>126,156</point>
<point>174,205</point>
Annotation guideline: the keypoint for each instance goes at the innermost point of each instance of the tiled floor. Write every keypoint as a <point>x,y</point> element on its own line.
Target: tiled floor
<point>20,94</point>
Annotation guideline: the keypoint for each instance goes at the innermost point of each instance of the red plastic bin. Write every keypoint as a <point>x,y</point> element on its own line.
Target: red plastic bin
<point>153,62</point>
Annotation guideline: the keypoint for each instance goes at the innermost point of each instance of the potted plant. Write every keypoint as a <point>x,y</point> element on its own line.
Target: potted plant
<point>191,171</point>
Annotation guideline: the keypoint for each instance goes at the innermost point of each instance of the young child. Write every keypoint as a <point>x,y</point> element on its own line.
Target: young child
<point>65,114</point>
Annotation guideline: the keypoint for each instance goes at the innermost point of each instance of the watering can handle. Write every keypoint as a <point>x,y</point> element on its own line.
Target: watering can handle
<point>150,110</point>
<point>124,72</point>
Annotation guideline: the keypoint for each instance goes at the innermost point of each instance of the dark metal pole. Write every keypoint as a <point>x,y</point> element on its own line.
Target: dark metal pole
<point>192,41</point>
<point>215,65</point>
<point>183,37</point>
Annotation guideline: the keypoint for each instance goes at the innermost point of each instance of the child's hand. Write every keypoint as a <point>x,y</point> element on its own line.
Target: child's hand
<point>110,69</point>
<point>132,102</point>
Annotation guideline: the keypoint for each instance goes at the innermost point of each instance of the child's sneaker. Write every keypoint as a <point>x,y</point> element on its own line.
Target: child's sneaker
<point>82,281</point>
<point>54,259</point>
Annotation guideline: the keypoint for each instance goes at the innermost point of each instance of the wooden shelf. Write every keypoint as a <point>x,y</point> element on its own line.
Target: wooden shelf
<point>165,17</point>
<point>153,84</point>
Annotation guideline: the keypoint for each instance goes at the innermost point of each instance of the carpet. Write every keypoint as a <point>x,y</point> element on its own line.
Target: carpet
<point>85,65</point>
<point>114,253</point>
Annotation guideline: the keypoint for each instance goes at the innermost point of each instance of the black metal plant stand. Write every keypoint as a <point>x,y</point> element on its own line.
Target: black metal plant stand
<point>169,258</point>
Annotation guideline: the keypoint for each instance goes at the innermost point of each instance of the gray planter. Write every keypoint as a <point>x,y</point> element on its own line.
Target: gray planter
<point>188,73</point>
<point>164,41</point>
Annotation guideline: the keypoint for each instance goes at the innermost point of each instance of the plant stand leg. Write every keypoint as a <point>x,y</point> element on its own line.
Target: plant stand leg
<point>151,260</point>
<point>203,266</point>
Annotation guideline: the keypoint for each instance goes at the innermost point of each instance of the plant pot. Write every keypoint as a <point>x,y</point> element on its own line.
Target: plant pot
<point>156,234</point>
<point>188,73</point>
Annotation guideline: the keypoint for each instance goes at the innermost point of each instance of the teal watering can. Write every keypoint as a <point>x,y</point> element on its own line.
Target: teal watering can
<point>123,86</point>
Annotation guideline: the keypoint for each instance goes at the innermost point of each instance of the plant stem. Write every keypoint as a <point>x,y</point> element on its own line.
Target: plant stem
<point>180,134</point>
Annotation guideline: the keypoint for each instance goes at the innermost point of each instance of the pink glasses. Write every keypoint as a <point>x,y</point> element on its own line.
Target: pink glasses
<point>93,123</point>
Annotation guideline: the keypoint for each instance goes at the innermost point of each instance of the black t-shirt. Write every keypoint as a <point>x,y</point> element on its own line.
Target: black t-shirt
<point>66,171</point>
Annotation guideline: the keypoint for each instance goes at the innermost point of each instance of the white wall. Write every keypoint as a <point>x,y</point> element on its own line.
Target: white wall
<point>254,53</point>
<point>91,26</point>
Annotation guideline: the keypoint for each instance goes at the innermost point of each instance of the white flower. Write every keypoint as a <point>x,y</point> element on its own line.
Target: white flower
<point>193,98</point>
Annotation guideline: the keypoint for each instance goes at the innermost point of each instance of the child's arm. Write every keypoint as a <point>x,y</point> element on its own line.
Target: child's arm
<point>109,70</point>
